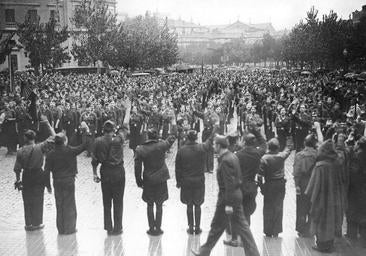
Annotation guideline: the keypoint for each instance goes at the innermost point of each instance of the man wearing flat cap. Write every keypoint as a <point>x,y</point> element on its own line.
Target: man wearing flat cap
<point>229,202</point>
<point>190,176</point>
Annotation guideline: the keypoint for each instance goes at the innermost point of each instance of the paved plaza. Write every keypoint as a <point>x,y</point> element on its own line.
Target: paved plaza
<point>91,239</point>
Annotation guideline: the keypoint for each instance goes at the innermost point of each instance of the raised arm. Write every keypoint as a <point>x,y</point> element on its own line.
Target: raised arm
<point>289,146</point>
<point>48,144</point>
<point>261,141</point>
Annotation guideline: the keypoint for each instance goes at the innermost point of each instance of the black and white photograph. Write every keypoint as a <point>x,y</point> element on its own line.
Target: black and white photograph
<point>182,128</point>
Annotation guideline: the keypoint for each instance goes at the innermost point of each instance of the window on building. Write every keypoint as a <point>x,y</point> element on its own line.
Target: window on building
<point>14,61</point>
<point>32,15</point>
<point>9,15</point>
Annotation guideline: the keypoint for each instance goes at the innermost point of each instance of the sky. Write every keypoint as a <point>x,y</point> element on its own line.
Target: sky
<point>283,14</point>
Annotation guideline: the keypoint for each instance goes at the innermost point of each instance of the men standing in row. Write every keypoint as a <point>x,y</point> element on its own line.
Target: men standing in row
<point>30,159</point>
<point>153,180</point>
<point>229,202</point>
<point>190,176</point>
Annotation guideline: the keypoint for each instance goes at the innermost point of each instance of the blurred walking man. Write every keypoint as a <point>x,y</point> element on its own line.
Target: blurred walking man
<point>229,202</point>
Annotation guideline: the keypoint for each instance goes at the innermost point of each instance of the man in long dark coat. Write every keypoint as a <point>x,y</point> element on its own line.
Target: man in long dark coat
<point>190,176</point>
<point>229,202</point>
<point>325,193</point>
<point>153,180</point>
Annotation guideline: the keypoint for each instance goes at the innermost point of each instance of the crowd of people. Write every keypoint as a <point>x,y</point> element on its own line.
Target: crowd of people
<point>322,117</point>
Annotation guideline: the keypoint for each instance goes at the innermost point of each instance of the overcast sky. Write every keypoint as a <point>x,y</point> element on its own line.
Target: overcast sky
<point>282,13</point>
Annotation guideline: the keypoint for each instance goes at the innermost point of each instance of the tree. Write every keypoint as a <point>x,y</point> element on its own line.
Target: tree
<point>43,42</point>
<point>356,46</point>
<point>94,31</point>
<point>143,42</point>
<point>5,45</point>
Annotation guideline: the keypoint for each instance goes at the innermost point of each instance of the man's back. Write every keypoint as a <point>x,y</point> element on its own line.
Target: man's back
<point>249,158</point>
<point>108,151</point>
<point>62,161</point>
<point>304,163</point>
<point>152,154</point>
<point>191,159</point>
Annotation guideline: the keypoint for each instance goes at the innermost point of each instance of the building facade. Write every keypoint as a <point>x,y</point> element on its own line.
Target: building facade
<point>15,11</point>
<point>189,33</point>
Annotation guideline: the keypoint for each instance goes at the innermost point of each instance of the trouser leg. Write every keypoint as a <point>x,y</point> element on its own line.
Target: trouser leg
<point>249,205</point>
<point>190,215</point>
<point>268,210</point>
<point>302,214</point>
<point>218,226</point>
<point>37,205</point>
<point>150,215</point>
<point>59,205</point>
<point>69,208</point>
<point>363,234</point>
<point>118,204</point>
<point>197,216</point>
<point>159,216</point>
<point>243,229</point>
<point>26,193</point>
<point>107,204</point>
<point>352,229</point>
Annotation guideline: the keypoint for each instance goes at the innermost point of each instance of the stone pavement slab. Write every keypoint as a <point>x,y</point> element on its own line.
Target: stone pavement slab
<point>91,239</point>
